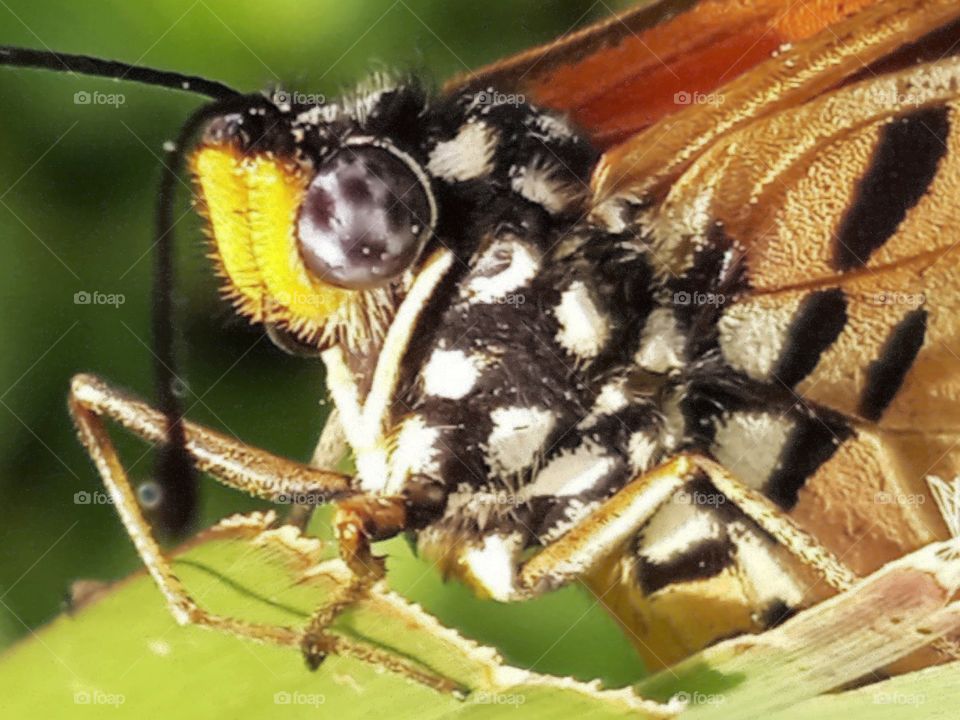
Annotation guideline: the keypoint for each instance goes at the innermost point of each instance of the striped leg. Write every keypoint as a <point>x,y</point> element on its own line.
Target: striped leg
<point>330,450</point>
<point>621,517</point>
<point>606,530</point>
<point>244,468</point>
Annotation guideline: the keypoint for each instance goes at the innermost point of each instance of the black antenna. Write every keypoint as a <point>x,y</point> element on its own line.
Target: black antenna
<point>175,473</point>
<point>85,65</point>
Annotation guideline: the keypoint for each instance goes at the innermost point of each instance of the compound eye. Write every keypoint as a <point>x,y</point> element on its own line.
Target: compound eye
<point>364,219</point>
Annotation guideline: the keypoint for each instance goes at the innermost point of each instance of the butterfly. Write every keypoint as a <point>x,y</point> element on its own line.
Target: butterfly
<point>665,307</point>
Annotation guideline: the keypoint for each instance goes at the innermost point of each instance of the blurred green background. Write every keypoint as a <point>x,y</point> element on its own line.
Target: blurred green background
<point>77,187</point>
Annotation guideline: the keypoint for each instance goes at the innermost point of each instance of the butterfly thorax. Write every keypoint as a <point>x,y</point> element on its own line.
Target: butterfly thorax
<point>497,355</point>
<point>545,367</point>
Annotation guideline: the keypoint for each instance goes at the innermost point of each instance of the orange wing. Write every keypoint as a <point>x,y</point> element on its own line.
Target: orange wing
<point>831,171</point>
<point>624,74</point>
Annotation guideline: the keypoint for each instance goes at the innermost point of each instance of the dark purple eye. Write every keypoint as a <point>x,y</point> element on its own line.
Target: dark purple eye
<point>364,218</point>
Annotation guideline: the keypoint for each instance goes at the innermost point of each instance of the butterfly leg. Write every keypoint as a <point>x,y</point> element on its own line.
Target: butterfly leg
<point>619,519</point>
<point>357,524</point>
<point>330,450</point>
<point>238,466</point>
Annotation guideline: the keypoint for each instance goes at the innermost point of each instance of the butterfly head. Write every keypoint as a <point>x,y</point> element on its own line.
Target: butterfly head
<point>317,221</point>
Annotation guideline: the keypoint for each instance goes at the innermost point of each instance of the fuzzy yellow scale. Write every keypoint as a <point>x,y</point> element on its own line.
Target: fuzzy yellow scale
<point>251,203</point>
<point>224,194</point>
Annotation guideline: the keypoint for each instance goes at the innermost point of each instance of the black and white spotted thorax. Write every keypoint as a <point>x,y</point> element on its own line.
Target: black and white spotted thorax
<point>534,361</point>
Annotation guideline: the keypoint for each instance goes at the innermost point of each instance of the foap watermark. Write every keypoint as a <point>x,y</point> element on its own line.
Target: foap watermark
<point>899,498</point>
<point>82,297</point>
<point>301,498</point>
<point>283,97</point>
<point>84,97</point>
<point>894,98</point>
<point>492,97</point>
<point>98,697</point>
<point>495,698</point>
<point>698,298</point>
<point>895,297</point>
<point>899,698</point>
<point>498,499</point>
<point>515,299</point>
<point>97,497</point>
<point>685,97</point>
<point>697,497</point>
<point>299,698</point>
<point>699,698</point>
<point>299,299</point>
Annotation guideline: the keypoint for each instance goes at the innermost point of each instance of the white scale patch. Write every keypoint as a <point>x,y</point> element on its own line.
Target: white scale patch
<point>752,338</point>
<point>676,528</point>
<point>521,266</point>
<point>356,104</point>
<point>415,453</point>
<point>642,451</point>
<point>551,129</point>
<point>517,437</point>
<point>758,562</point>
<point>493,565</point>
<point>571,472</point>
<point>946,494</point>
<point>467,156</point>
<point>538,183</point>
<point>584,330</point>
<point>679,228</point>
<point>674,425</point>
<point>611,399</point>
<point>748,444</point>
<point>661,343</point>
<point>450,374</point>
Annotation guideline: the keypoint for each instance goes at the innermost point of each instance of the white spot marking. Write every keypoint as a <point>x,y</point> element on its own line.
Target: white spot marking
<point>518,435</point>
<point>748,444</point>
<point>467,156</point>
<point>493,566</point>
<point>415,454</point>
<point>661,343</point>
<point>571,473</point>
<point>584,330</point>
<point>752,338</point>
<point>611,399</point>
<point>642,449</point>
<point>539,185</point>
<point>675,529</point>
<point>522,266</point>
<point>757,561</point>
<point>553,128</point>
<point>450,374</point>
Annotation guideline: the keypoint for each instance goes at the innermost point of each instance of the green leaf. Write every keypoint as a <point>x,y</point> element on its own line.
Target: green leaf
<point>122,652</point>
<point>96,659</point>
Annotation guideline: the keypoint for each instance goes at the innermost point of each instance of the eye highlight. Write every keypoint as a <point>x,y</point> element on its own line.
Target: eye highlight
<point>365,217</point>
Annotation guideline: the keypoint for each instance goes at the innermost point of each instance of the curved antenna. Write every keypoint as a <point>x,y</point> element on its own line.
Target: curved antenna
<point>175,470</point>
<point>175,473</point>
<point>86,65</point>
